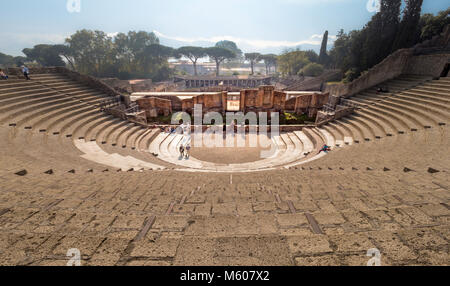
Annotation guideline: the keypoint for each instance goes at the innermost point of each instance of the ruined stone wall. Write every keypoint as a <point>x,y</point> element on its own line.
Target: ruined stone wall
<point>209,103</point>
<point>213,101</point>
<point>290,104</point>
<point>266,97</point>
<point>262,99</point>
<point>249,99</point>
<point>176,101</point>
<point>187,105</point>
<point>431,65</point>
<point>154,106</point>
<point>310,103</point>
<point>318,100</point>
<point>279,100</point>
<point>302,103</point>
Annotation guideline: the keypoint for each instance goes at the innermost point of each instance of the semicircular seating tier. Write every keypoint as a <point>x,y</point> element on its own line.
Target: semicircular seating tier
<point>287,150</point>
<point>53,122</point>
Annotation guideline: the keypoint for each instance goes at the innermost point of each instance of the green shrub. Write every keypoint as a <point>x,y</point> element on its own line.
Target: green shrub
<point>312,69</point>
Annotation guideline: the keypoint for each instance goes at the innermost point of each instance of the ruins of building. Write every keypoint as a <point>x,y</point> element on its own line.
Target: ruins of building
<point>262,99</point>
<point>231,81</point>
<point>154,106</point>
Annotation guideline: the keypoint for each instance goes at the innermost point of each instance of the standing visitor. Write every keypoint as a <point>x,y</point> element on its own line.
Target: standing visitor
<point>26,72</point>
<point>181,151</point>
<point>188,150</point>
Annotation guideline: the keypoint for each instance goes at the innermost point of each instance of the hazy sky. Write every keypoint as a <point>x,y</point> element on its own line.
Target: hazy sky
<point>256,25</point>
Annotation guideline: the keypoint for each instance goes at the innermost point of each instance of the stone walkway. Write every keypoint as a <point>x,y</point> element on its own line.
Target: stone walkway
<point>323,216</point>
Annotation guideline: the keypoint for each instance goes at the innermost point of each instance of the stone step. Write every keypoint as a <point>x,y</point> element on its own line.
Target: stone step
<point>94,153</point>
<point>403,110</point>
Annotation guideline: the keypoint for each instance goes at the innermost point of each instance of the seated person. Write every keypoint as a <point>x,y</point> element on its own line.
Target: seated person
<point>382,89</point>
<point>3,75</point>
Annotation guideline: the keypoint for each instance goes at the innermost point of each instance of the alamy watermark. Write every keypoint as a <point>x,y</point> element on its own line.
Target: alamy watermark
<point>375,255</point>
<point>236,130</point>
<point>73,6</point>
<point>74,256</point>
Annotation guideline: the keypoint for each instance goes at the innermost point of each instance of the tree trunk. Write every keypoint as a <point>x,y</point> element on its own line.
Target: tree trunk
<point>217,68</point>
<point>251,64</point>
<point>195,68</point>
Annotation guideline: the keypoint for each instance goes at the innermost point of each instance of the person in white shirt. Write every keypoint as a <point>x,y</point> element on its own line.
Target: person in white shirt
<point>26,72</point>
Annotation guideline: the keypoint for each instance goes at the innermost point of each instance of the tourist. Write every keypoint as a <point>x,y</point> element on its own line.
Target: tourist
<point>3,75</point>
<point>186,129</point>
<point>382,90</point>
<point>181,126</point>
<point>233,125</point>
<point>187,151</point>
<point>181,151</point>
<point>26,72</point>
<point>325,149</point>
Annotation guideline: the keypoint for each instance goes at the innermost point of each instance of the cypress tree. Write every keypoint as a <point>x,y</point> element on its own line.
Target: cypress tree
<point>323,49</point>
<point>373,45</point>
<point>390,20</point>
<point>409,33</point>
